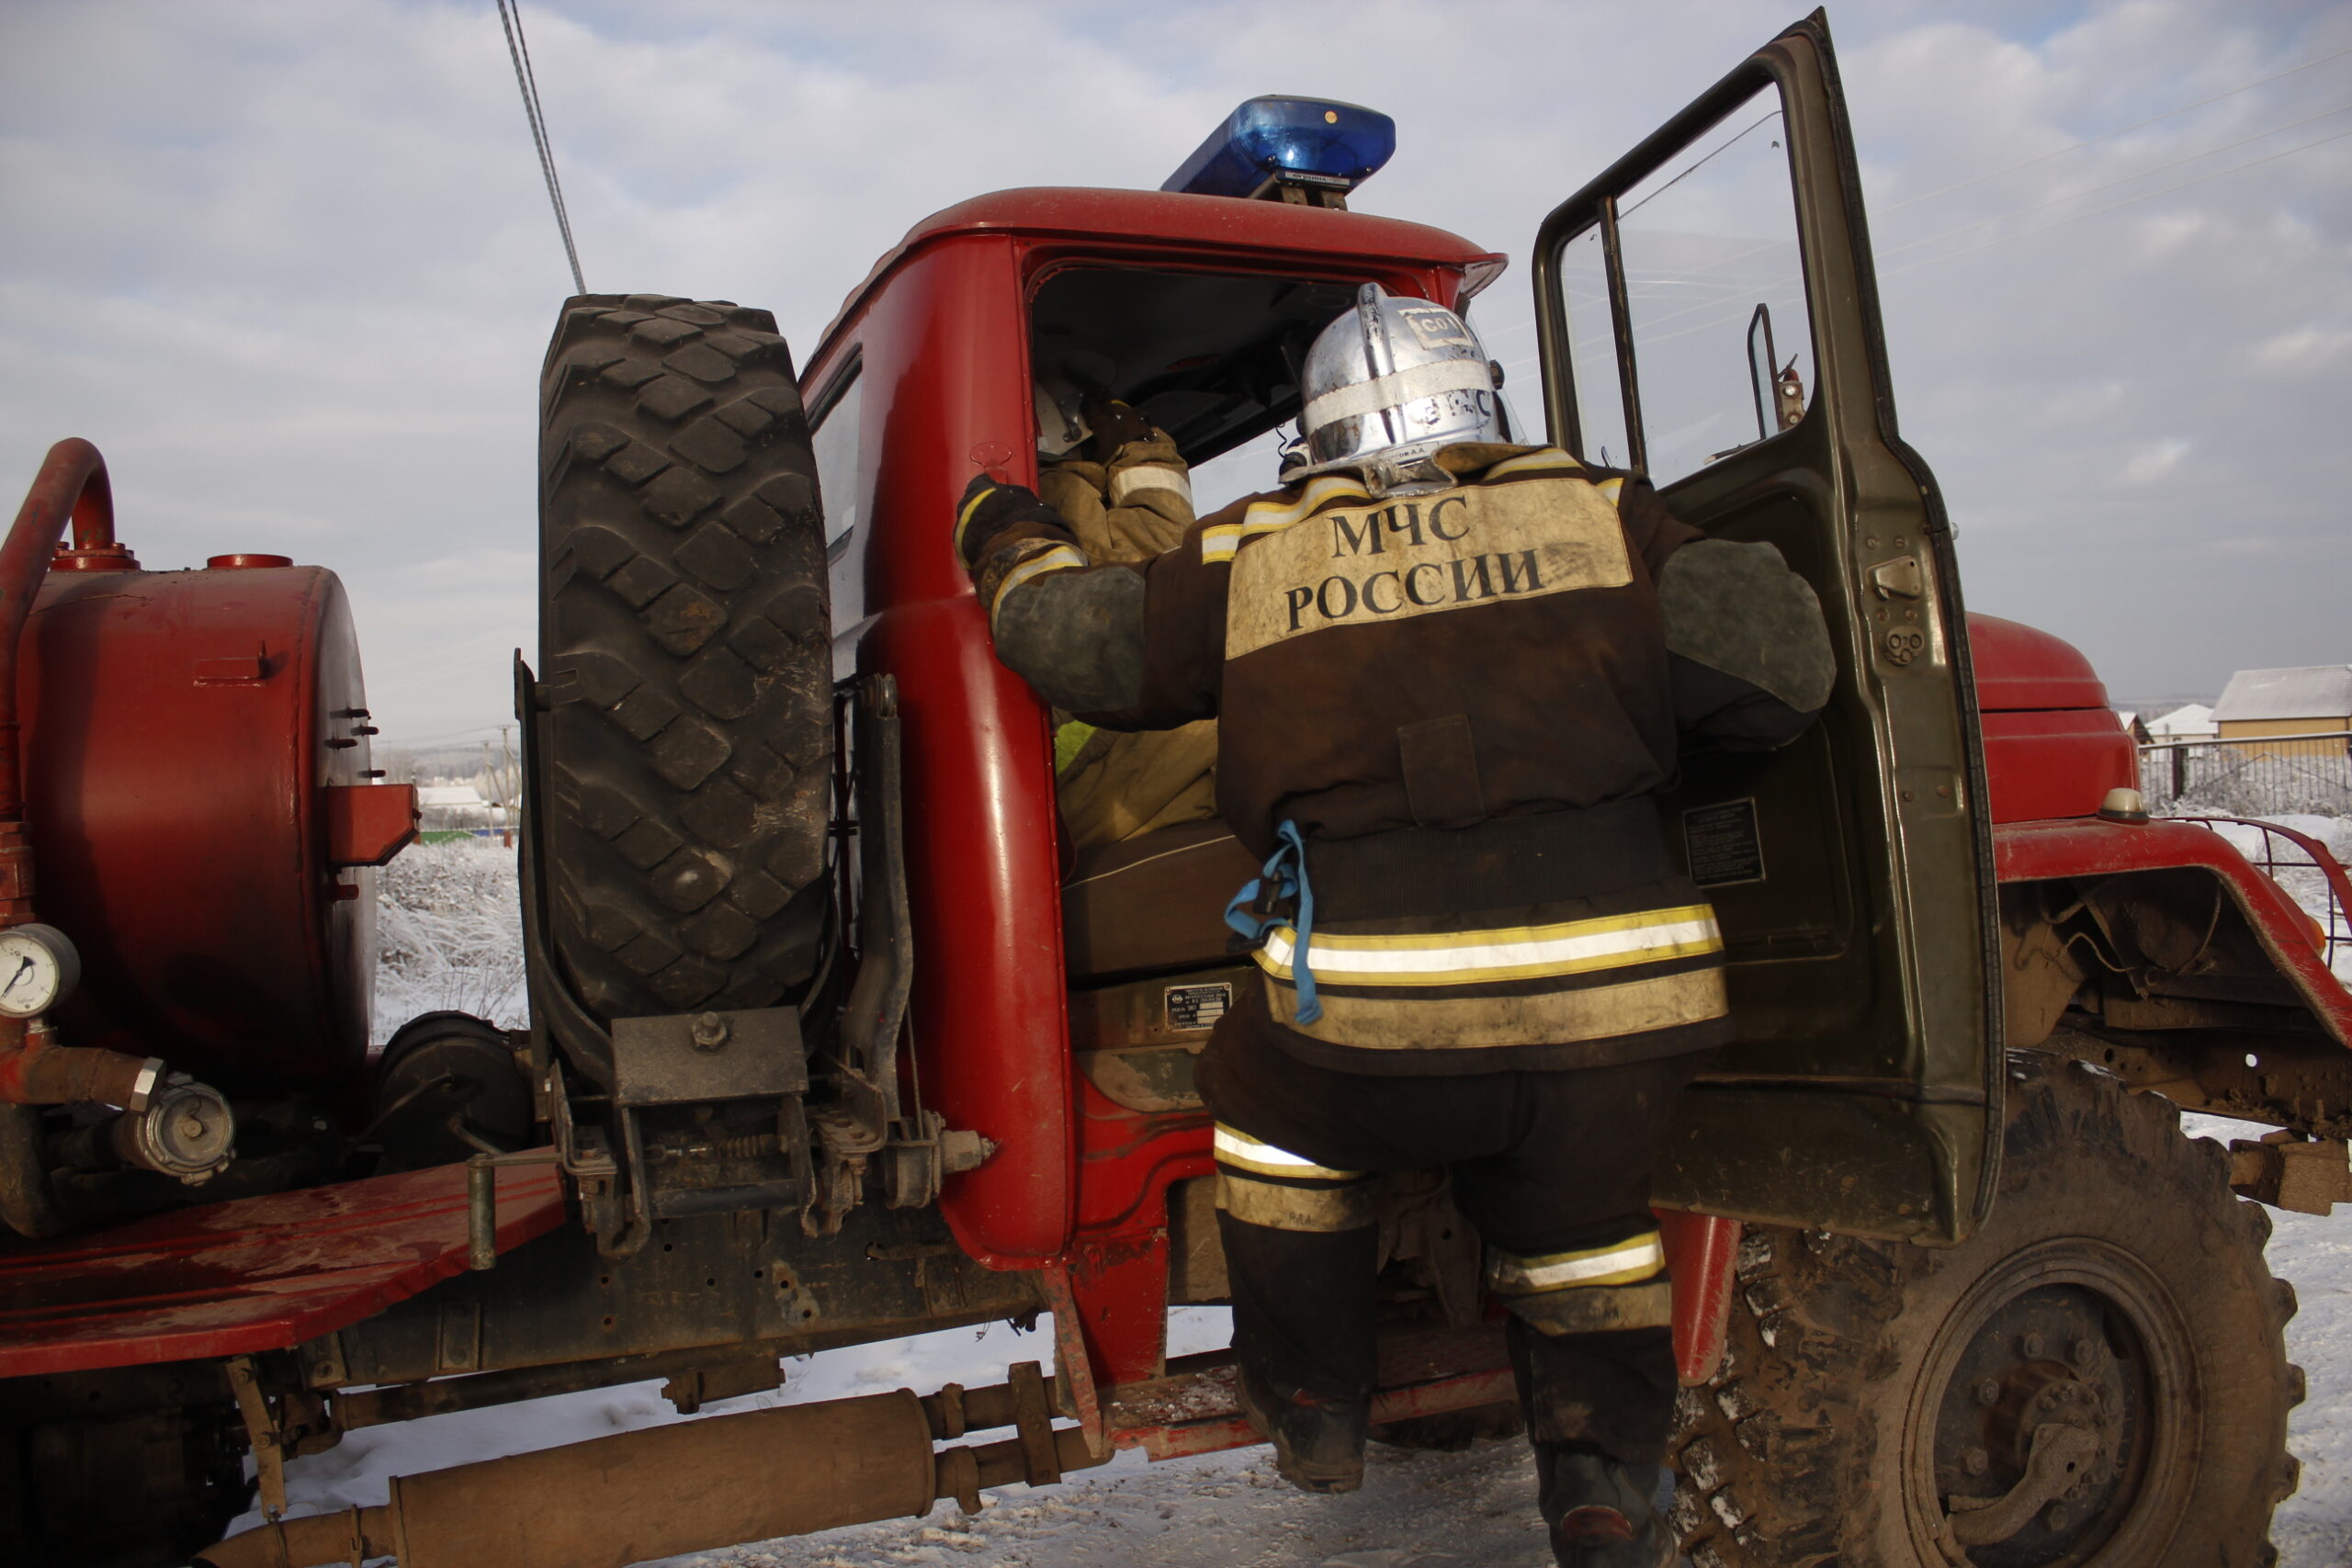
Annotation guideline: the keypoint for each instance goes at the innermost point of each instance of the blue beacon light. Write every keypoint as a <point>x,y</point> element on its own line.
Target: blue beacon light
<point>1304,142</point>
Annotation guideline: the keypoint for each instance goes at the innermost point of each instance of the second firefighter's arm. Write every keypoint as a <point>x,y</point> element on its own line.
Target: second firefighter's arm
<point>1748,649</point>
<point>1092,637</point>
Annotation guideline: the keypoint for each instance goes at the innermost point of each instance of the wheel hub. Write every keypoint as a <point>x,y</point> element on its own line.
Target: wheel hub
<point>2037,1435</point>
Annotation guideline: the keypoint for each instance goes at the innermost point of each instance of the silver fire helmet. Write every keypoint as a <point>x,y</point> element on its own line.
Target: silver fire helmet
<point>1390,382</point>
<point>1063,380</point>
<point>1060,425</point>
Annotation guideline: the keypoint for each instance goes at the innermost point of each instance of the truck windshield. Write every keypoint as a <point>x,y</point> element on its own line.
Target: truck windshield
<point>1211,359</point>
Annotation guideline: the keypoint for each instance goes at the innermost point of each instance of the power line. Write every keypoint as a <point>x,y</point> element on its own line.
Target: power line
<point>2045,157</point>
<point>2110,135</point>
<point>1714,313</point>
<point>2144,174</point>
<point>1645,287</point>
<point>2143,196</point>
<point>510,16</point>
<point>1694,168</point>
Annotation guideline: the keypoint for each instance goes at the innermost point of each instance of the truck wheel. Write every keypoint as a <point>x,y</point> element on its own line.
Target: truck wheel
<point>2096,1379</point>
<point>686,761</point>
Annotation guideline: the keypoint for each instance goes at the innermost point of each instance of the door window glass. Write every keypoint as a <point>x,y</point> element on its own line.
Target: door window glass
<point>1715,294</point>
<point>835,442</point>
<point>1592,349</point>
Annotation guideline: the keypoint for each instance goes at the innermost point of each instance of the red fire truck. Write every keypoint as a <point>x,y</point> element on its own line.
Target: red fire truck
<point>833,1040</point>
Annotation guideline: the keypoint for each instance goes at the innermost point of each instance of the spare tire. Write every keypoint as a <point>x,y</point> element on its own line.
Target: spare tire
<point>684,767</point>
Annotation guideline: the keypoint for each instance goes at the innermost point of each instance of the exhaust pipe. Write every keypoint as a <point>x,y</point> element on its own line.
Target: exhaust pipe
<point>694,1486</point>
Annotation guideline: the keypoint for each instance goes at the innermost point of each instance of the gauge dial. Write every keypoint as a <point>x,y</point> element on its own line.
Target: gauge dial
<point>38,966</point>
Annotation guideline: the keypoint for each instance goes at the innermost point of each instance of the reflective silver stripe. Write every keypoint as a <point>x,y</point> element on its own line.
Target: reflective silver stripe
<point>1060,557</point>
<point>1626,1263</point>
<point>1149,476</point>
<point>1237,1148</point>
<point>1396,390</point>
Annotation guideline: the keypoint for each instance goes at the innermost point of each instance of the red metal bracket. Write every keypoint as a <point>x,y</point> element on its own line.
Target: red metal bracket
<point>369,824</point>
<point>1073,1367</point>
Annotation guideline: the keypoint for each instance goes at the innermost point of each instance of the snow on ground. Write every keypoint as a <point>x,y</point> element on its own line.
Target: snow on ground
<point>450,939</point>
<point>2314,1252</point>
<point>1417,1510</point>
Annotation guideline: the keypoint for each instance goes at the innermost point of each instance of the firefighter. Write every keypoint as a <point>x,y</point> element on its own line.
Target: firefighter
<point>1126,495</point>
<point>1452,674</point>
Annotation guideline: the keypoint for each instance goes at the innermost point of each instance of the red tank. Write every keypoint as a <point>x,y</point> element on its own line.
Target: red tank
<point>196,757</point>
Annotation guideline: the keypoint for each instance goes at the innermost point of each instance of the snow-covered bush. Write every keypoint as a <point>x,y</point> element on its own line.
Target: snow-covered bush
<point>449,935</point>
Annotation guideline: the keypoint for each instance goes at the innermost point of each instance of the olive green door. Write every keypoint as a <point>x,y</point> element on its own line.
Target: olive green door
<point>1709,315</point>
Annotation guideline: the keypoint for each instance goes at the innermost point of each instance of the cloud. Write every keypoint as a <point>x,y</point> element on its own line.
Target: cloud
<point>292,268</point>
<point>2312,346</point>
<point>2153,460</point>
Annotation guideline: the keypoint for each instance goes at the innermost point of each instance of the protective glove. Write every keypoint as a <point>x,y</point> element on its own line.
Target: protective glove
<point>988,509</point>
<point>1112,425</point>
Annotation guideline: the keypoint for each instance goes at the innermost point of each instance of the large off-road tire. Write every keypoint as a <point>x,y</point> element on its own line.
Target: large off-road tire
<point>2118,1287</point>
<point>686,655</point>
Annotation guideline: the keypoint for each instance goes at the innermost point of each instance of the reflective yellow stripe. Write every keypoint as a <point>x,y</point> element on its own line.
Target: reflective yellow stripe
<point>1236,1147</point>
<point>1528,462</point>
<point>1612,489</point>
<point>1520,952</point>
<point>1269,516</point>
<point>1349,1206</point>
<point>1596,1309</point>
<point>964,517</point>
<point>1423,1020</point>
<point>1060,557</point>
<point>1623,1263</point>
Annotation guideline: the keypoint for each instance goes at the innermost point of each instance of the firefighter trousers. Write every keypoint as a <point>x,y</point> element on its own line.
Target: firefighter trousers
<point>1553,1168</point>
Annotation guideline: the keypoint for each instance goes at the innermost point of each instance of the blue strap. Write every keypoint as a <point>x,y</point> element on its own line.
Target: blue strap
<point>1286,870</point>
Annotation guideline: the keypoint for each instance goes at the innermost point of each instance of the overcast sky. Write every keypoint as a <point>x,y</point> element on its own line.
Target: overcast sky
<point>292,267</point>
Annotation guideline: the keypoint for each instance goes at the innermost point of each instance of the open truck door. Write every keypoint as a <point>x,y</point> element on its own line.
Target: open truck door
<point>1709,316</point>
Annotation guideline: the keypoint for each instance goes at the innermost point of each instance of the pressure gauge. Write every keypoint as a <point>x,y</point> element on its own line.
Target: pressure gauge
<point>37,968</point>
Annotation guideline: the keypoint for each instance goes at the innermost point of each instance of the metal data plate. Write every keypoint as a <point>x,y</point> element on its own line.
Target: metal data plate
<point>672,1061</point>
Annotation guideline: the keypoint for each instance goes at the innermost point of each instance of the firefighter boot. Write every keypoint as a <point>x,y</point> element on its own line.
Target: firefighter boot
<point>1318,1442</point>
<point>1602,1514</point>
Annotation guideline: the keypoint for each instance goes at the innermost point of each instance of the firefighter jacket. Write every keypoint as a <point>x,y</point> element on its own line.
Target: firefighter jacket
<point>1113,785</point>
<point>1445,717</point>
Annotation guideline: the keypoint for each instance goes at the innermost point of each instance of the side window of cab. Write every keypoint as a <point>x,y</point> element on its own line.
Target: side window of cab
<point>836,416</point>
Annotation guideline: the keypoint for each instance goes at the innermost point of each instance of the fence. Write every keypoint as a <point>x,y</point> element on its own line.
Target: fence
<point>503,837</point>
<point>2306,870</point>
<point>2265,777</point>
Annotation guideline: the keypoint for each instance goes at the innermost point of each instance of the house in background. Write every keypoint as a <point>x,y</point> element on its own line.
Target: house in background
<point>2284,713</point>
<point>446,807</point>
<point>2192,721</point>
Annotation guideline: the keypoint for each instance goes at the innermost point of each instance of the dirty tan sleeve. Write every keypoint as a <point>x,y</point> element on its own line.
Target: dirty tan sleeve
<point>1183,635</point>
<point>1131,509</point>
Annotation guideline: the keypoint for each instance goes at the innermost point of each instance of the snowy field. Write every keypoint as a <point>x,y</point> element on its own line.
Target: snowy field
<point>449,935</point>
